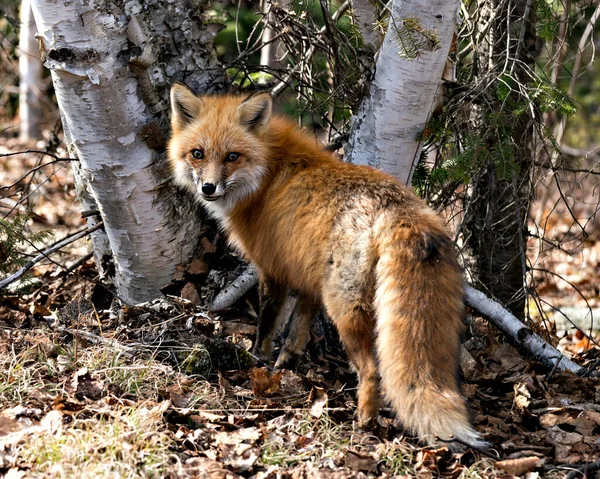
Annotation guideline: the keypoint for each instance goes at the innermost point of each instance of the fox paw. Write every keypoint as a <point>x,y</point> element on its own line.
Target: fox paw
<point>287,359</point>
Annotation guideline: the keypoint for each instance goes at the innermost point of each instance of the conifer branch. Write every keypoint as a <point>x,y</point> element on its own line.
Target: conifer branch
<point>44,254</point>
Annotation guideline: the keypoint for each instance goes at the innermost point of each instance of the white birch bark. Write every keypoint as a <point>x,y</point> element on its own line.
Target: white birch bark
<point>518,334</point>
<point>30,76</point>
<point>112,92</point>
<point>364,13</point>
<point>394,113</point>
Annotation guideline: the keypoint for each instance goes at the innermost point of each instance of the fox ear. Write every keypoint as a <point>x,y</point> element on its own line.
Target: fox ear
<point>185,106</point>
<point>255,111</point>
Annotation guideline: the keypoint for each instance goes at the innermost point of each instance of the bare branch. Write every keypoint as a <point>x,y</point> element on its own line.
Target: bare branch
<point>518,334</point>
<point>236,290</point>
<point>44,255</point>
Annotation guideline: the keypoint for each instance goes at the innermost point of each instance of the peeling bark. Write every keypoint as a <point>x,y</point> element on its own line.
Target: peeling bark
<point>395,112</point>
<point>112,65</point>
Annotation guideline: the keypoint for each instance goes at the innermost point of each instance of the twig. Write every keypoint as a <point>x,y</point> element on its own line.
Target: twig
<point>79,262</point>
<point>88,213</point>
<point>582,470</point>
<point>57,159</point>
<point>277,89</point>
<point>44,255</point>
<point>581,47</point>
<point>93,338</point>
<point>236,290</point>
<point>520,335</point>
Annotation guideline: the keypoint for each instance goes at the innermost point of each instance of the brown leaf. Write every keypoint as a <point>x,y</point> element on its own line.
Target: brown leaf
<point>263,383</point>
<point>190,293</point>
<point>522,397</point>
<point>237,448</point>
<point>360,462</point>
<point>204,416</point>
<point>87,385</point>
<point>197,266</point>
<point>67,405</point>
<point>200,467</point>
<point>207,246</point>
<point>40,309</point>
<point>517,467</point>
<point>291,383</point>
<point>8,425</point>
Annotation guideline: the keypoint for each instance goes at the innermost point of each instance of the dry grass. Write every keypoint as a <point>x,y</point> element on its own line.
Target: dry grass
<point>95,412</point>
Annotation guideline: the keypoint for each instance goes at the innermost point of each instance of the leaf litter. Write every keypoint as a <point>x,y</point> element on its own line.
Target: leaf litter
<point>89,388</point>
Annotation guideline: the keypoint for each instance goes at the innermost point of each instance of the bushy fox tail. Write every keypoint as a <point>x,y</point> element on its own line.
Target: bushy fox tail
<point>419,310</point>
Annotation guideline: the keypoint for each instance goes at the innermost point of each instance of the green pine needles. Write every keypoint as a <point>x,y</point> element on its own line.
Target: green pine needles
<point>413,39</point>
<point>15,237</point>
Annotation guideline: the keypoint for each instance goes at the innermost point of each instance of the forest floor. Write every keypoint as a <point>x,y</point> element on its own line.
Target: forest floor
<point>91,388</point>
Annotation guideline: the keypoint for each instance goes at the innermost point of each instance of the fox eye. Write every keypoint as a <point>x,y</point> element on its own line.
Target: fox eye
<point>233,156</point>
<point>197,154</point>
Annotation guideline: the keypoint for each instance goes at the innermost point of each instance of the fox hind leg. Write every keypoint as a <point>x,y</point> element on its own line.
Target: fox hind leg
<point>356,328</point>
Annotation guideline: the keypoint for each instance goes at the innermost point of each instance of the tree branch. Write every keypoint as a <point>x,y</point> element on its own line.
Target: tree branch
<point>526,341</point>
<point>44,254</point>
<point>236,290</point>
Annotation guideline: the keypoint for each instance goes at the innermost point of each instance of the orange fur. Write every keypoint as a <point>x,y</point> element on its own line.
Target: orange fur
<point>348,237</point>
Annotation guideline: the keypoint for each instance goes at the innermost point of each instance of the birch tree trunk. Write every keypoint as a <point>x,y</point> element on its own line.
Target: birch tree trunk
<point>30,75</point>
<point>112,65</point>
<point>408,72</point>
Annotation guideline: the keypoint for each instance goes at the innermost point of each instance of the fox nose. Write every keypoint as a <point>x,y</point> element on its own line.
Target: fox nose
<point>208,188</point>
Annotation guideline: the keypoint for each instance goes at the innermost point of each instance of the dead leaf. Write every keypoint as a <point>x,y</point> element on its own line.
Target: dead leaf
<point>87,385</point>
<point>519,466</point>
<point>190,293</point>
<point>67,405</point>
<point>207,246</point>
<point>522,397</point>
<point>201,467</point>
<point>509,358</point>
<point>53,422</point>
<point>263,383</point>
<point>197,266</point>
<point>318,401</point>
<point>291,383</point>
<point>204,416</point>
<point>468,364</point>
<point>360,462</point>
<point>237,448</point>
<point>39,309</point>
<point>180,394</point>
<point>8,425</point>
<point>64,362</point>
<point>246,435</point>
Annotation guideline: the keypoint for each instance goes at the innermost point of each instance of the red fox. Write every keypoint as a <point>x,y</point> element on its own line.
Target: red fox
<point>348,237</point>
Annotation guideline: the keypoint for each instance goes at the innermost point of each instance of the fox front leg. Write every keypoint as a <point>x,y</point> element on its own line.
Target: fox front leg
<point>293,347</point>
<point>272,296</point>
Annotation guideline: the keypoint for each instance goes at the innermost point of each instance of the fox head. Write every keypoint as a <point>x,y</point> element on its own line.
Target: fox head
<point>216,148</point>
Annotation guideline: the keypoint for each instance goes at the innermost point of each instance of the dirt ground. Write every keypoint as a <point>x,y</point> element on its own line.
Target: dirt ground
<point>90,388</point>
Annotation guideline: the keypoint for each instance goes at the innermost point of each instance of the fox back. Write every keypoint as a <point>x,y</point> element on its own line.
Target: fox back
<point>348,237</point>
